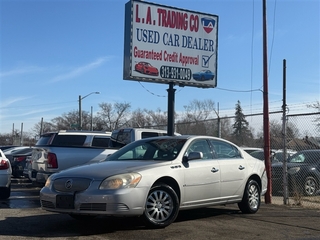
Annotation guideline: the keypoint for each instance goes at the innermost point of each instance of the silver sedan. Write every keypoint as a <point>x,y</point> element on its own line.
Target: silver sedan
<point>156,177</point>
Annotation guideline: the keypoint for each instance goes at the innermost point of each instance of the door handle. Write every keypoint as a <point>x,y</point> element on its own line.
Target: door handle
<point>241,167</point>
<point>214,170</point>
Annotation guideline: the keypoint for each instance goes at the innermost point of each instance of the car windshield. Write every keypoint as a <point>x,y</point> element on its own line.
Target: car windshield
<point>305,157</point>
<point>159,149</point>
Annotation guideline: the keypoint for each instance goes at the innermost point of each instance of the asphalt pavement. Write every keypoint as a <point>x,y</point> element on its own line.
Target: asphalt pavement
<point>22,218</point>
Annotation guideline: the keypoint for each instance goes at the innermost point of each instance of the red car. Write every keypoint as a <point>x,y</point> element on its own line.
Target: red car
<point>146,68</point>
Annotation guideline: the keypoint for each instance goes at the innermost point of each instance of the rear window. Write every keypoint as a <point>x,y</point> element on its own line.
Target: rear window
<point>45,139</point>
<point>69,140</point>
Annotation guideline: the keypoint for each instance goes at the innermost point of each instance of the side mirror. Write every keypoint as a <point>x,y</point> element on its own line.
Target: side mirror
<point>193,156</point>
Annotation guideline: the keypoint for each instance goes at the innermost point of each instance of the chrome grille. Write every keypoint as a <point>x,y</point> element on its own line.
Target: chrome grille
<point>103,207</point>
<point>71,184</point>
<point>93,207</point>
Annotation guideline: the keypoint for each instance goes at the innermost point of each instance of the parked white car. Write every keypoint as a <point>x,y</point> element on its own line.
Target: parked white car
<point>5,176</point>
<point>156,177</point>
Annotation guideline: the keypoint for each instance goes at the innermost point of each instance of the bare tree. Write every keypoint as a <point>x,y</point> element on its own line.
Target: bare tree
<point>316,106</point>
<point>195,118</point>
<point>157,118</point>
<point>68,120</point>
<point>226,128</point>
<point>113,116</point>
<point>140,118</point>
<point>43,127</point>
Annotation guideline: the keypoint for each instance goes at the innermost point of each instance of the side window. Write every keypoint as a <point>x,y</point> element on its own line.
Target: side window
<point>149,134</point>
<point>200,146</point>
<point>225,150</point>
<point>100,142</point>
<point>136,153</point>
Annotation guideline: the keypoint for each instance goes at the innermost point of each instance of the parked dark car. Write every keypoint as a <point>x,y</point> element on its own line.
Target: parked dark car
<point>18,160</point>
<point>303,170</point>
<point>259,154</point>
<point>4,147</point>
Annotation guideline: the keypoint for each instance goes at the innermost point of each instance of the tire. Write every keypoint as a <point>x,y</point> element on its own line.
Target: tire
<point>251,199</point>
<point>161,207</point>
<point>80,217</point>
<point>5,192</point>
<point>310,186</point>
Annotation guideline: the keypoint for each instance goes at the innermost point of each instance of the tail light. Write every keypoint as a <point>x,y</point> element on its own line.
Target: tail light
<point>4,164</point>
<point>52,160</point>
<point>19,159</point>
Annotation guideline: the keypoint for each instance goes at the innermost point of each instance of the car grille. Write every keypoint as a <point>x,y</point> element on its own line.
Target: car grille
<point>47,204</point>
<point>71,184</point>
<point>103,207</point>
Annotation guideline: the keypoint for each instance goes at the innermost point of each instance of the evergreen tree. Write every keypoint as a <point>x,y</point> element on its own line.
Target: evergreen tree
<point>241,130</point>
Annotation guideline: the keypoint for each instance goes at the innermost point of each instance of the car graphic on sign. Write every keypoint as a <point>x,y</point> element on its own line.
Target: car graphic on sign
<point>203,75</point>
<point>146,68</point>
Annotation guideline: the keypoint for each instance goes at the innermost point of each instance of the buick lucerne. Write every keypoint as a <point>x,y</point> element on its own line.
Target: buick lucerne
<point>156,177</point>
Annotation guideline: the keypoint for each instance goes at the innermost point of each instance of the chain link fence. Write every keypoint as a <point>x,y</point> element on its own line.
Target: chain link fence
<point>295,178</point>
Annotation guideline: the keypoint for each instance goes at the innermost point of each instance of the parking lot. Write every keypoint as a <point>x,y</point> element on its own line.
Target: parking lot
<point>22,218</point>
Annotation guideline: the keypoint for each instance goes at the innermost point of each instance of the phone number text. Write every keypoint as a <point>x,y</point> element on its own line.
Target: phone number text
<point>175,73</point>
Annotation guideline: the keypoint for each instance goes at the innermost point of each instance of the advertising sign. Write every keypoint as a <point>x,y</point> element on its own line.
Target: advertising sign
<point>165,44</point>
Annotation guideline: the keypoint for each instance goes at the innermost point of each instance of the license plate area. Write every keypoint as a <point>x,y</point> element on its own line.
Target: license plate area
<point>65,201</point>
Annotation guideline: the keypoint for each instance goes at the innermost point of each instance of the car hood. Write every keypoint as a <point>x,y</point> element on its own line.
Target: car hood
<point>289,165</point>
<point>101,170</point>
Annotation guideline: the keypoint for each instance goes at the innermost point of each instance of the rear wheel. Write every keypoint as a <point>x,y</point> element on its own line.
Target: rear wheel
<point>251,198</point>
<point>162,206</point>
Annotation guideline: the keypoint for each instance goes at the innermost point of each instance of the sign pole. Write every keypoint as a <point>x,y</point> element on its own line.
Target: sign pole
<point>171,92</point>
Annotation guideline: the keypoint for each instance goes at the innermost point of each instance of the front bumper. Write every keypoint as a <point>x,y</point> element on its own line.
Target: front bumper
<point>123,202</point>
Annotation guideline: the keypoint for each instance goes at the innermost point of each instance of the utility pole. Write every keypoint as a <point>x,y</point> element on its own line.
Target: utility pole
<point>266,128</point>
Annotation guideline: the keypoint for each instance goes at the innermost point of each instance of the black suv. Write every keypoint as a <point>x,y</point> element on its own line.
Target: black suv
<point>303,173</point>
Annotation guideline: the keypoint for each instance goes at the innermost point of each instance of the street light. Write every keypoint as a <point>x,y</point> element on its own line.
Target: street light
<point>80,111</point>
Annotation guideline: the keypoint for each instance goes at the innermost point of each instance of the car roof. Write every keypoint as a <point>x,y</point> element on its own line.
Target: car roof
<point>187,137</point>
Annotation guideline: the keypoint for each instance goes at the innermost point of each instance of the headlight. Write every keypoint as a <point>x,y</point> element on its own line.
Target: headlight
<point>293,170</point>
<point>48,182</point>
<point>128,180</point>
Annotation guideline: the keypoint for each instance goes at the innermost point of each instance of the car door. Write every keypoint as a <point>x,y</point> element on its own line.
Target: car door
<point>202,176</point>
<point>233,169</point>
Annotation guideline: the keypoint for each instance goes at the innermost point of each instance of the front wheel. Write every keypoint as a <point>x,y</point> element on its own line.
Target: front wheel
<point>162,206</point>
<point>251,198</point>
<point>310,186</point>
